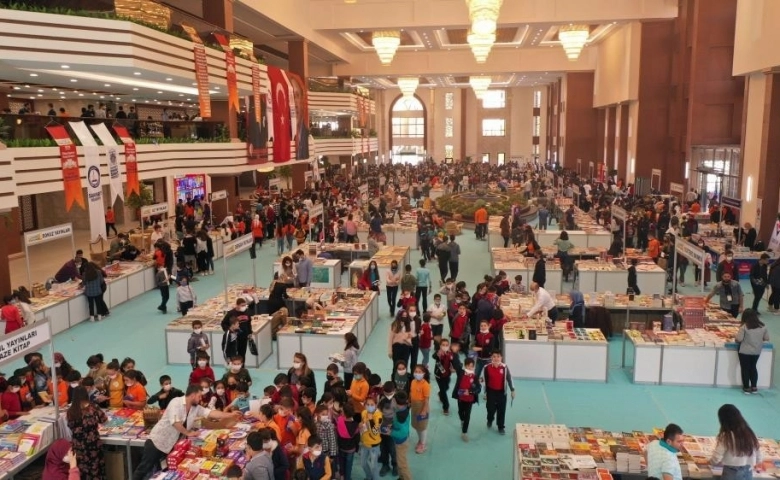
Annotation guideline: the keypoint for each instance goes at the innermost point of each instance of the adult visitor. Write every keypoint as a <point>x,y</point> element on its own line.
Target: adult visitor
<point>481,222</point>
<point>729,292</point>
<point>540,270</point>
<point>505,227</point>
<point>58,462</point>
<point>240,312</point>
<point>392,280</point>
<point>72,270</point>
<point>759,278</point>
<point>737,448</point>
<point>177,420</point>
<point>662,460</point>
<point>94,287</point>
<point>443,258</point>
<point>84,419</point>
<point>544,302</point>
<point>751,337</point>
<point>454,258</point>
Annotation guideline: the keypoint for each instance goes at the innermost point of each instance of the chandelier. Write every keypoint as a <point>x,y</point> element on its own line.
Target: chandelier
<point>483,15</point>
<point>408,85</point>
<point>573,38</point>
<point>350,1</point>
<point>480,84</point>
<point>481,45</point>
<point>386,42</point>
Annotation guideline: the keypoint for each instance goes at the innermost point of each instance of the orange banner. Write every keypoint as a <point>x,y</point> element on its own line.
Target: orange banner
<point>69,163</point>
<point>202,77</point>
<point>230,70</point>
<point>131,160</point>
<point>256,93</point>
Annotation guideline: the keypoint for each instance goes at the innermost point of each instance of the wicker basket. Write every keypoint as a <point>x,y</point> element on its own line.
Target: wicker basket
<point>151,417</point>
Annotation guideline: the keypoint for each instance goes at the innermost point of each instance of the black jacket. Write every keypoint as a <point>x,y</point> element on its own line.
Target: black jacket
<point>759,275</point>
<point>540,273</point>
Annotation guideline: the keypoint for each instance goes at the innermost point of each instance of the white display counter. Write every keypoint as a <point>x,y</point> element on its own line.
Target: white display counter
<point>402,237</point>
<point>325,273</point>
<point>383,259</point>
<point>616,279</point>
<point>319,346</point>
<point>557,359</point>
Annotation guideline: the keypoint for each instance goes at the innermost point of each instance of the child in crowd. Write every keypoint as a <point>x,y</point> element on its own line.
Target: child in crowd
<point>448,289</point>
<point>466,392</point>
<point>327,432</point>
<point>347,430</point>
<point>230,339</point>
<point>370,438</point>
<point>419,396</point>
<point>333,379</point>
<point>400,434</point>
<point>460,326</point>
<point>497,328</point>
<point>185,296</point>
<point>135,394</point>
<point>375,386</point>
<point>237,368</point>
<point>426,338</point>
<point>166,394</point>
<point>443,371</point>
<point>205,392</point>
<point>241,402</point>
<point>202,369</point>
<point>359,391</point>
<point>351,350</point>
<point>518,286</point>
<point>94,393</point>
<point>437,312</point>
<point>407,300</point>
<point>234,472</point>
<point>387,406</point>
<point>308,395</point>
<point>308,429</point>
<point>485,343</point>
<point>401,377</point>
<point>268,393</point>
<point>198,342</point>
<point>286,423</point>
<point>219,399</point>
<point>314,464</point>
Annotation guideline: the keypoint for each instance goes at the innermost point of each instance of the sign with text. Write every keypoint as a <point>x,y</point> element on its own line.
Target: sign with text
<point>241,244</point>
<point>731,202</point>
<point>315,211</point>
<point>619,213</point>
<point>274,183</point>
<point>363,188</point>
<point>48,234</point>
<point>156,209</point>
<point>69,164</point>
<point>201,70</point>
<point>219,195</point>
<point>691,251</point>
<point>676,188</point>
<point>25,340</point>
<point>95,204</point>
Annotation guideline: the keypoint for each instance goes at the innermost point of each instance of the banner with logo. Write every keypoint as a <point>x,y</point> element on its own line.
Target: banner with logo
<point>69,163</point>
<point>112,158</point>
<point>131,160</point>
<point>280,101</point>
<point>97,219</point>
<point>201,70</point>
<point>230,70</point>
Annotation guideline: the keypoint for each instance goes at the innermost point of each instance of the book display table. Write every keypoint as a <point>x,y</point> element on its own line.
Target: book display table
<point>383,258</point>
<point>612,277</point>
<point>511,261</point>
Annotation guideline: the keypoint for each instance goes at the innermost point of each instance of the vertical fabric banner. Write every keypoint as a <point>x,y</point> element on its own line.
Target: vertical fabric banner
<point>280,99</point>
<point>256,93</point>
<point>201,70</point>
<point>230,70</point>
<point>69,163</point>
<point>97,219</point>
<point>131,160</point>
<point>112,158</point>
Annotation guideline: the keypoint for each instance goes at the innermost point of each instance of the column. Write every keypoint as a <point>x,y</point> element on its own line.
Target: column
<point>768,179</point>
<point>609,147</point>
<point>298,61</point>
<point>581,119</point>
<point>621,140</point>
<point>219,13</point>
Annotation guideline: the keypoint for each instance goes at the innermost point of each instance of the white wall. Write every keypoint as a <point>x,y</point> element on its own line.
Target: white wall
<point>751,149</point>
<point>617,67</point>
<point>756,36</point>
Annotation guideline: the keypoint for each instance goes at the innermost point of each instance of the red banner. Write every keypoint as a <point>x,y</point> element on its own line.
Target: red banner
<point>256,90</point>
<point>230,70</point>
<point>131,160</point>
<point>202,77</point>
<point>69,163</point>
<point>280,99</point>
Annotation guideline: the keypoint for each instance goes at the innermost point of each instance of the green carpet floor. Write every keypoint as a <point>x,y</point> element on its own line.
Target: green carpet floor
<point>136,329</point>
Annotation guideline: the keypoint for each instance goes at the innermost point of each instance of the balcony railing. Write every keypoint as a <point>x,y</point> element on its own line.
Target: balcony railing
<point>30,130</point>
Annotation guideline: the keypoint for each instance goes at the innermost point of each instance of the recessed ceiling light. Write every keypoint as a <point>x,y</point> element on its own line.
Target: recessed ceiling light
<point>169,79</point>
<point>40,94</point>
<point>102,96</point>
<point>26,86</point>
<point>40,90</point>
<point>33,74</point>
<point>159,91</point>
<point>189,100</point>
<point>216,88</point>
<point>81,94</point>
<point>73,80</point>
<point>65,66</point>
<point>62,98</point>
<point>135,88</point>
<point>106,84</point>
<point>134,100</point>
<point>181,94</point>
<point>32,98</point>
<point>194,83</point>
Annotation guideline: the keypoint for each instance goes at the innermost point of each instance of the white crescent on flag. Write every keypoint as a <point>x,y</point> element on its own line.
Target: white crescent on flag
<point>283,101</point>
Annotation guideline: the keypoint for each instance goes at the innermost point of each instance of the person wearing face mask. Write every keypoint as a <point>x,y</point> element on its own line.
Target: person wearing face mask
<point>72,270</point>
<point>697,270</point>
<point>244,325</point>
<point>399,342</point>
<point>419,398</point>
<point>484,344</point>
<point>198,342</point>
<point>442,371</point>
<point>498,381</point>
<point>238,371</point>
<point>392,280</point>
<point>370,438</point>
<point>387,406</point>
<point>84,421</point>
<point>177,420</point>
<point>11,400</point>
<point>97,367</point>
<point>167,393</point>
<point>73,381</point>
<point>10,315</point>
<point>300,368</point>
<point>727,265</point>
<point>466,392</point>
<point>58,461</point>
<point>729,292</point>
<point>316,465</point>
<point>135,394</point>
<point>116,385</point>
<point>358,392</point>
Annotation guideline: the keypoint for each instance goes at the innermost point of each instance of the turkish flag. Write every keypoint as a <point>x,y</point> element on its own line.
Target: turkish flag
<point>280,98</point>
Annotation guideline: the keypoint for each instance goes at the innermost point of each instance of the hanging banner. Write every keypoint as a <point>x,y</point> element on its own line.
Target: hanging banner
<point>774,241</point>
<point>97,219</point>
<point>69,163</point>
<point>24,340</point>
<point>256,93</point>
<point>230,70</point>
<point>691,252</point>
<point>282,121</point>
<point>257,119</point>
<point>201,70</point>
<point>112,158</point>
<point>48,234</point>
<point>731,202</point>
<point>131,160</point>
<point>241,244</point>
<point>274,183</point>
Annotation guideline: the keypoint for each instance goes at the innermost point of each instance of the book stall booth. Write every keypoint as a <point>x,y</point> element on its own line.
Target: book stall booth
<point>383,258</point>
<point>512,261</point>
<point>25,439</point>
<point>211,312</point>
<point>326,273</point>
<point>586,453</point>
<point>147,212</point>
<point>591,235</point>
<point>217,196</point>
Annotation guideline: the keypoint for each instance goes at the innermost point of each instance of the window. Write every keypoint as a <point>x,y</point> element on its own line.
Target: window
<point>494,99</point>
<point>537,126</point>
<point>501,157</point>
<point>493,127</point>
<point>449,101</point>
<point>535,150</point>
<point>449,152</point>
<point>485,158</point>
<point>449,127</point>
<point>405,127</point>
<point>408,105</point>
<point>538,99</point>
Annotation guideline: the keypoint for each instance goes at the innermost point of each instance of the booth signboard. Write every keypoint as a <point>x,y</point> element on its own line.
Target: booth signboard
<point>363,189</point>
<point>692,252</point>
<point>676,188</point>
<point>731,202</point>
<point>619,213</point>
<point>24,340</point>
<point>48,234</point>
<point>315,211</point>
<point>218,195</point>
<point>156,209</point>
<point>655,179</point>
<point>274,183</point>
<point>241,244</point>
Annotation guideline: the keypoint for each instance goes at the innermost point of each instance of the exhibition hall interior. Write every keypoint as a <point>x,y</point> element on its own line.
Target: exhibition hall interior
<point>364,239</point>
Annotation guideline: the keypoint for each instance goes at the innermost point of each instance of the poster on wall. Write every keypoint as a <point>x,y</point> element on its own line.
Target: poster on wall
<point>300,119</point>
<point>257,119</point>
<point>774,241</point>
<point>759,204</point>
<point>69,164</point>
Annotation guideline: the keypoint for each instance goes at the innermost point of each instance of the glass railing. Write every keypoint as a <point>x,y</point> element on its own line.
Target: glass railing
<point>30,130</point>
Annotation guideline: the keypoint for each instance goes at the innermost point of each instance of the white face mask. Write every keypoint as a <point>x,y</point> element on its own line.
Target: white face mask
<point>484,330</point>
<point>317,452</point>
<point>197,331</point>
<point>324,418</point>
<point>270,446</point>
<point>66,459</point>
<point>445,348</point>
<point>469,371</point>
<point>401,372</point>
<point>220,391</point>
<point>235,368</point>
<point>205,390</point>
<point>112,376</point>
<point>202,363</point>
<point>412,314</point>
<point>57,364</point>
<point>167,387</point>
<point>15,389</point>
<point>74,384</point>
<point>297,365</point>
<point>242,308</point>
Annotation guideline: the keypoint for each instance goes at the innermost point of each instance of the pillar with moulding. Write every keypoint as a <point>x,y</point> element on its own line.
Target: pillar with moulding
<point>298,62</point>
<point>219,13</point>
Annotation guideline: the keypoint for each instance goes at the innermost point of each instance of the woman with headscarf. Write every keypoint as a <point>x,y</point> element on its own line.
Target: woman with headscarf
<point>84,420</point>
<point>577,308</point>
<point>60,464</point>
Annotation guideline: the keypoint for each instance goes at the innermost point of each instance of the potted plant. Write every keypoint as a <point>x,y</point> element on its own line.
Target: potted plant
<point>135,201</point>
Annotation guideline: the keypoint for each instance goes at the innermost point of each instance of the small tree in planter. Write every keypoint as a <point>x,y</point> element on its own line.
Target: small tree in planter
<point>135,201</point>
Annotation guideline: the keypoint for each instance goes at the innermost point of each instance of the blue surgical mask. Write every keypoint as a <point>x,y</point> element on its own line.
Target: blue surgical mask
<point>371,408</point>
<point>419,376</point>
<point>358,376</point>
